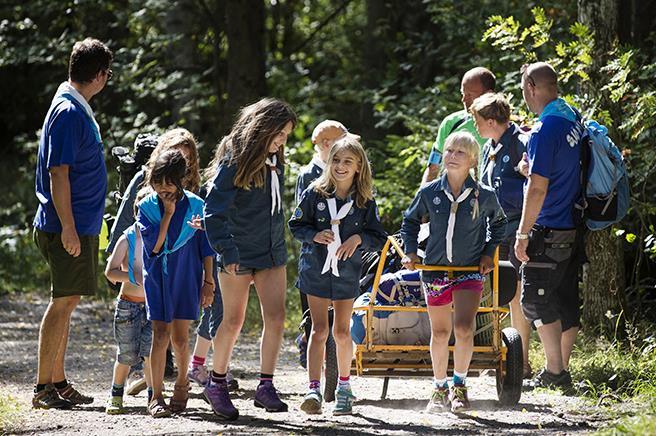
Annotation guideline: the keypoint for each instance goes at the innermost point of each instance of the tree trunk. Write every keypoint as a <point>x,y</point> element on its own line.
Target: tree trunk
<point>246,57</point>
<point>604,277</point>
<point>374,59</point>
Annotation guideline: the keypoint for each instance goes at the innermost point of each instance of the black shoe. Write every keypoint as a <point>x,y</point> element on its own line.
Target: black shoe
<point>49,399</point>
<point>548,380</point>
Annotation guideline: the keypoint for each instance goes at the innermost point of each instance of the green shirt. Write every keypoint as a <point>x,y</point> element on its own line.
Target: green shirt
<point>447,128</point>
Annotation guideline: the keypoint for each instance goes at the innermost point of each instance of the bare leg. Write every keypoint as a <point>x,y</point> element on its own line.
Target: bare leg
<point>180,342</point>
<point>342,335</point>
<point>161,337</point>
<point>270,287</point>
<point>440,320</point>
<point>120,373</point>
<point>53,325</point>
<point>147,373</point>
<point>202,346</point>
<point>521,324</point>
<point>466,305</point>
<point>550,336</point>
<point>567,344</point>
<point>317,343</point>
<point>234,291</point>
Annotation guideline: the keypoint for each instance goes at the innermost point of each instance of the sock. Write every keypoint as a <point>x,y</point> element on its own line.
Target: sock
<point>440,383</point>
<point>345,382</point>
<point>40,387</point>
<point>150,394</point>
<point>315,385</point>
<point>264,378</point>
<point>117,390</point>
<point>197,361</point>
<point>459,379</point>
<point>218,378</point>
<point>61,385</point>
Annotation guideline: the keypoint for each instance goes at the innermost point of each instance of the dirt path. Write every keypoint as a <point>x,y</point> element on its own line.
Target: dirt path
<point>90,359</point>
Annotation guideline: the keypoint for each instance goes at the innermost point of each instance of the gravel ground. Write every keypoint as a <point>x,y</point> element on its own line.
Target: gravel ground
<point>89,365</point>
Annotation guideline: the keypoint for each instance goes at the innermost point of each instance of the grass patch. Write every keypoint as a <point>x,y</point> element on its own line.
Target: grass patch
<point>10,414</point>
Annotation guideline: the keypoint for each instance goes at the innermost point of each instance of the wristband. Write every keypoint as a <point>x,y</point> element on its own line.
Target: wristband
<point>520,235</point>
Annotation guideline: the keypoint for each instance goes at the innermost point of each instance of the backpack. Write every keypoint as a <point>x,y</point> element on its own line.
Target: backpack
<point>605,193</point>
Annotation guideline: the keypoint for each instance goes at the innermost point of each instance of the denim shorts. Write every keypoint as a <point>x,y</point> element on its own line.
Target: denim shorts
<point>132,331</point>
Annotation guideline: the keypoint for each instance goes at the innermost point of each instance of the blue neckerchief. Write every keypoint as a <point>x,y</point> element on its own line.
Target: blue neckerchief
<point>131,237</point>
<point>149,206</point>
<point>559,108</point>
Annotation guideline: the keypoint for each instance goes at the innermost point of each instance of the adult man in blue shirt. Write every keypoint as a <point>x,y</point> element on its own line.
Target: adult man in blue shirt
<point>71,183</point>
<point>550,298</point>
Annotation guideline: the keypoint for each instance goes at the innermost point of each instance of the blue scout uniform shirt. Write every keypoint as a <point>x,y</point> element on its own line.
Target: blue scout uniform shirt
<point>175,294</point>
<point>507,182</point>
<point>472,238</point>
<point>68,137</point>
<point>312,216</point>
<point>239,223</point>
<point>554,153</point>
<point>308,174</point>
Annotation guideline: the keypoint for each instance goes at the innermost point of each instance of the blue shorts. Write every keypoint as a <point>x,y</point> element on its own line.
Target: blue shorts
<point>132,331</point>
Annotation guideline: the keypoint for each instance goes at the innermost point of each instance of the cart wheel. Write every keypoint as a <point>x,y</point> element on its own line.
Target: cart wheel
<point>331,372</point>
<point>509,375</point>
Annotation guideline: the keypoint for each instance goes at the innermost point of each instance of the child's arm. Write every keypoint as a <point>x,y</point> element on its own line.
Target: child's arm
<point>113,270</point>
<point>217,205</point>
<point>412,219</point>
<point>169,210</point>
<point>208,288</point>
<point>301,224</point>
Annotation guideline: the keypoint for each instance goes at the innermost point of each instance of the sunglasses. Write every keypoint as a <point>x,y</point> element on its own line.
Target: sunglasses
<point>530,79</point>
<point>109,73</point>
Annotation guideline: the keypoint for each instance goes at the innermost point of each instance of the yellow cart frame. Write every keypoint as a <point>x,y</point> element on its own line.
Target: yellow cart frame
<point>414,360</point>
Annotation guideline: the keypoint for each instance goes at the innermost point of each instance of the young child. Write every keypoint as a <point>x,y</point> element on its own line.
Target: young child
<point>336,220</point>
<point>132,329</point>
<point>324,136</point>
<point>178,139</point>
<point>178,264</point>
<point>245,225</point>
<point>500,170</point>
<point>461,213</point>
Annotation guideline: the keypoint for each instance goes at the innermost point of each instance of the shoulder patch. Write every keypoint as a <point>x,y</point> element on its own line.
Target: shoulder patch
<point>298,213</point>
<point>321,206</point>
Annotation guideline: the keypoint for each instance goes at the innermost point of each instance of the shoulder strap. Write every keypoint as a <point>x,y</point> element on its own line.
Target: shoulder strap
<point>457,124</point>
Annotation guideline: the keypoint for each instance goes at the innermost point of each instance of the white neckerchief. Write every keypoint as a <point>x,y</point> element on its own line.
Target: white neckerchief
<point>275,184</point>
<point>492,157</point>
<point>316,160</point>
<point>335,218</point>
<point>452,220</point>
<point>67,88</point>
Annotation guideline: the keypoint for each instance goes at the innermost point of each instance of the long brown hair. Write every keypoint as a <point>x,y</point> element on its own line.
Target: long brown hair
<point>362,188</point>
<point>174,140</point>
<point>247,144</point>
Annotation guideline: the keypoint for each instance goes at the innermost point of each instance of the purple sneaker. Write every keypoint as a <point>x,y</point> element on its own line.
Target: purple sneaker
<point>267,398</point>
<point>218,396</point>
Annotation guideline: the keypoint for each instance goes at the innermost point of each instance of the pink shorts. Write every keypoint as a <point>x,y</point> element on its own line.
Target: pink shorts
<point>440,291</point>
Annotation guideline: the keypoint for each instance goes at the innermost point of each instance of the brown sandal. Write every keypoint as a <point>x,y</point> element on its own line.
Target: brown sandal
<point>177,406</point>
<point>158,408</point>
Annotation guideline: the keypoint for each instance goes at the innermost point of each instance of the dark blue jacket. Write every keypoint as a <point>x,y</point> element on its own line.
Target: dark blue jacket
<point>239,223</point>
<point>308,174</point>
<point>508,183</point>
<point>312,216</point>
<point>125,215</point>
<point>472,238</point>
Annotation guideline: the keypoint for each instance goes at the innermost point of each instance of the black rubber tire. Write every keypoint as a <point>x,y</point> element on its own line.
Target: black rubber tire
<point>509,378</point>
<point>331,373</point>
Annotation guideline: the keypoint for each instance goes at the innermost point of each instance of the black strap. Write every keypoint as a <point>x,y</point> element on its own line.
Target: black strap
<point>458,123</point>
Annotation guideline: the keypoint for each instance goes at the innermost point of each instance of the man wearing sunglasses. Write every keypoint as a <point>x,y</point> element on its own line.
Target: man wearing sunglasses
<point>71,182</point>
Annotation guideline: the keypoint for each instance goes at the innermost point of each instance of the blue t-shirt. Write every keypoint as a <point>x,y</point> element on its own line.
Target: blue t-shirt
<point>68,137</point>
<point>554,153</point>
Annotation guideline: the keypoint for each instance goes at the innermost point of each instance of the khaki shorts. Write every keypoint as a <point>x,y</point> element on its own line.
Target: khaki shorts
<point>69,275</point>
